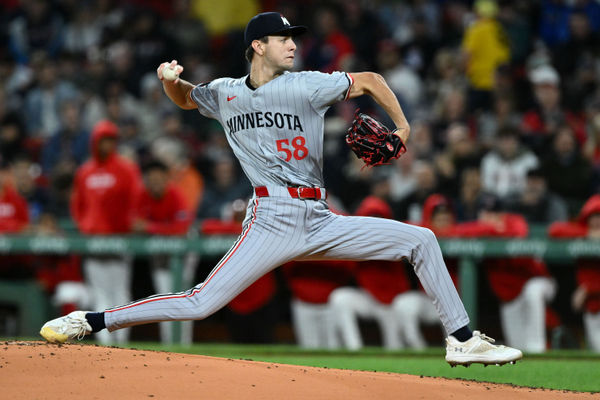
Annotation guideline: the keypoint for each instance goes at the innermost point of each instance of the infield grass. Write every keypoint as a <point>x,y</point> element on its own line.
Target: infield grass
<point>562,370</point>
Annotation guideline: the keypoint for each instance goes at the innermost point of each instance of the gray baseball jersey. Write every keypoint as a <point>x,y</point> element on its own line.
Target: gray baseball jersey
<point>276,131</point>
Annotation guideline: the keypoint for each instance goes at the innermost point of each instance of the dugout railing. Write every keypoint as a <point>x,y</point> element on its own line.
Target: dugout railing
<point>468,251</point>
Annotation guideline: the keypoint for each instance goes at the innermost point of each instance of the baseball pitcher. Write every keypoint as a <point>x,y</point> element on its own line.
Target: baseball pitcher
<point>273,121</point>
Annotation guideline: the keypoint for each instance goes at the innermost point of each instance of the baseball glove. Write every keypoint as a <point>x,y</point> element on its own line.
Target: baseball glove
<point>372,141</point>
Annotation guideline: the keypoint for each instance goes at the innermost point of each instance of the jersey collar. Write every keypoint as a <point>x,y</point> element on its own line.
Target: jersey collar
<point>248,83</point>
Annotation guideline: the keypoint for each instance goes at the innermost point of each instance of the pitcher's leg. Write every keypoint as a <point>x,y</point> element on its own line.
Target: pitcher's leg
<point>366,238</point>
<point>257,251</point>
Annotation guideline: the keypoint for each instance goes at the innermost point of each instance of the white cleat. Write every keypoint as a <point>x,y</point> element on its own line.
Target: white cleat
<point>479,349</point>
<point>71,326</point>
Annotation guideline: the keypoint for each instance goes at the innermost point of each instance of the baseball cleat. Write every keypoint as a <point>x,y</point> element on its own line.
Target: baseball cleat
<point>479,349</point>
<point>67,327</point>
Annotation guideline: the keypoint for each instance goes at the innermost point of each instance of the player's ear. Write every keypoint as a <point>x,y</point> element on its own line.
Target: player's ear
<point>258,47</point>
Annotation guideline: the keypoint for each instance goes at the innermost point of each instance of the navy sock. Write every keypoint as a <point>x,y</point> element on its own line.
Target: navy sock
<point>463,334</point>
<point>96,321</point>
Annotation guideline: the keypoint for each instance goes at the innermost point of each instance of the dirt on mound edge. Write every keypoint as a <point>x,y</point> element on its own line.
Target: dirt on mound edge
<point>37,370</point>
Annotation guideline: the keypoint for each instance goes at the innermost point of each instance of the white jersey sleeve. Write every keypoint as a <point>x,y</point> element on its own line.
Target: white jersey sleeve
<point>206,97</point>
<point>326,89</point>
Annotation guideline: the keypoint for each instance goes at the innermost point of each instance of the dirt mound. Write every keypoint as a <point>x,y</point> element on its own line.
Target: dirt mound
<point>36,370</point>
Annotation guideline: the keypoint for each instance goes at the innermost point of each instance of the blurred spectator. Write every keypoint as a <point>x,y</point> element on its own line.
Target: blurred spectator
<point>131,145</point>
<point>152,108</point>
<point>172,126</point>
<point>152,43</point>
<point>421,140</point>
<point>226,185</point>
<point>554,21</point>
<point>586,297</point>
<point>411,208</point>
<point>59,189</point>
<point>183,174</point>
<point>84,31</point>
<point>489,123</point>
<point>579,48</point>
<point>25,176</point>
<point>461,152</point>
<point>504,169</point>
<point>102,203</point>
<point>419,47</point>
<point>471,194</point>
<point>402,180</point>
<point>160,209</point>
<point>568,173</point>
<point>364,30</point>
<point>591,150</point>
<point>16,80</point>
<point>14,215</point>
<point>69,143</point>
<point>403,81</point>
<point>513,16</point>
<point>543,121</point>
<point>486,47</point>
<point>536,203</point>
<point>43,102</point>
<point>12,133</point>
<point>38,28</point>
<point>330,49</point>
<point>452,110</point>
<point>14,218</point>
<point>189,32</point>
<point>446,77</point>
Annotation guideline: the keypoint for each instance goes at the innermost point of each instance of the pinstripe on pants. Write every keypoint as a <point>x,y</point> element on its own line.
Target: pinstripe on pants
<point>279,229</point>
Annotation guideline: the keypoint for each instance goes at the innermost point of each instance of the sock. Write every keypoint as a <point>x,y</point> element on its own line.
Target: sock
<point>96,321</point>
<point>463,334</point>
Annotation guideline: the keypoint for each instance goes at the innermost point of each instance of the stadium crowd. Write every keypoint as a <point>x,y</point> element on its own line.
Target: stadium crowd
<point>503,99</point>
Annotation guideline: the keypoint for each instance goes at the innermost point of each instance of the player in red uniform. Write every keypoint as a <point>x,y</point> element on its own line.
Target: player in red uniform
<point>586,297</point>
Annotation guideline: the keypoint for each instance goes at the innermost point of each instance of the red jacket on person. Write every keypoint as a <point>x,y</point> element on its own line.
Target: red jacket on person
<point>14,215</point>
<point>588,272</point>
<point>104,191</point>
<point>313,281</point>
<point>167,215</point>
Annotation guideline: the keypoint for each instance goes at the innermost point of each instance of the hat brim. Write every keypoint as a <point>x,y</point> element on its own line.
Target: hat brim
<point>292,31</point>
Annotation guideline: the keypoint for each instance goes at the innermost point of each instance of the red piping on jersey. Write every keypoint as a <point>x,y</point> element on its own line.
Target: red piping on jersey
<point>349,87</point>
<point>195,291</point>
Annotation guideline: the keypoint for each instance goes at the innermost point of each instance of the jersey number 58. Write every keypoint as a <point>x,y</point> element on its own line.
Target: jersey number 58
<point>298,143</point>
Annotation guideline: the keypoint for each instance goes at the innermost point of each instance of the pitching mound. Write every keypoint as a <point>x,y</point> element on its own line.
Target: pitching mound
<point>36,370</point>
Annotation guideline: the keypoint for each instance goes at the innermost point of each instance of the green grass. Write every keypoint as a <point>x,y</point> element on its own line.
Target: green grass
<point>570,370</point>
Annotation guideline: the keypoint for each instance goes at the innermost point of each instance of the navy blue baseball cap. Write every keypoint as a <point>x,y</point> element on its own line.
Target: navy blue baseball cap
<point>270,24</point>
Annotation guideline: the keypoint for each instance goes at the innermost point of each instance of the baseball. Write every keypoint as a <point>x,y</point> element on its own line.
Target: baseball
<point>169,74</point>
